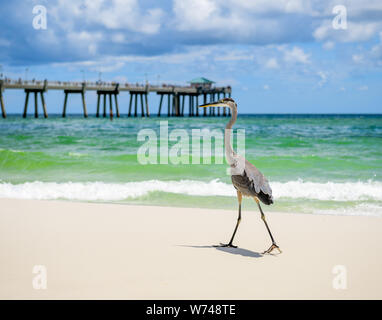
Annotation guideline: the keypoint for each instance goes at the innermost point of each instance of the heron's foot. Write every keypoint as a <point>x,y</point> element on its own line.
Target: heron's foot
<point>226,245</point>
<point>272,247</point>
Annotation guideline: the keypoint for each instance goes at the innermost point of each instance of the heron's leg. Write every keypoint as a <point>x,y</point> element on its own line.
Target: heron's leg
<point>274,245</point>
<point>239,198</point>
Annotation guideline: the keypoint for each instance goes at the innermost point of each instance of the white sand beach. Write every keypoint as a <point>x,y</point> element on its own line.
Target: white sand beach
<point>111,251</point>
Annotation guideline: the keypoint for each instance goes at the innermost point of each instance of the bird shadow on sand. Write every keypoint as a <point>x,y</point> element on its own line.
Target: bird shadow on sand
<point>237,251</point>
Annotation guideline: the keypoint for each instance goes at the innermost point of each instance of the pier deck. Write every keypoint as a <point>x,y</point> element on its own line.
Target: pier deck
<point>175,96</point>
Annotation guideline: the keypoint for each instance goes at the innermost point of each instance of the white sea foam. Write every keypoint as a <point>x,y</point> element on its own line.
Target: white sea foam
<point>93,191</point>
<point>335,191</point>
<point>362,209</point>
<point>77,154</point>
<point>12,150</point>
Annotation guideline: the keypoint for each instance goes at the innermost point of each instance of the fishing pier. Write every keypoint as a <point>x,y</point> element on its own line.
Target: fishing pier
<point>175,98</point>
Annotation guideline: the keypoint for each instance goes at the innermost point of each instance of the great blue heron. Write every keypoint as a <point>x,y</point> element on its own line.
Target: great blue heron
<point>246,178</point>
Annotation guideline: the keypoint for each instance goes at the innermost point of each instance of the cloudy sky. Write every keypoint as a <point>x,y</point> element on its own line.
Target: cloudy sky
<point>278,55</point>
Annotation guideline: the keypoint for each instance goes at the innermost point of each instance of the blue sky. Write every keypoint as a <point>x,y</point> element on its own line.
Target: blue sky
<point>278,55</point>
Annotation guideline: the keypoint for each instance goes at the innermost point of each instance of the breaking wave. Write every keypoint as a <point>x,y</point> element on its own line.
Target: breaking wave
<point>100,191</point>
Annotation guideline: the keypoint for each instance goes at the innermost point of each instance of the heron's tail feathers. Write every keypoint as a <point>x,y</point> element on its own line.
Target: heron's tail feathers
<point>265,198</point>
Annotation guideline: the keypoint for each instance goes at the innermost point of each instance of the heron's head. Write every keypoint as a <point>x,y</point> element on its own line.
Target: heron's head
<point>225,102</point>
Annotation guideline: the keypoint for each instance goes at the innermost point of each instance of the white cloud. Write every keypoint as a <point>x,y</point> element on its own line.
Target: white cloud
<point>363,88</point>
<point>264,6</point>
<point>328,45</point>
<point>369,58</point>
<point>114,14</point>
<point>323,78</point>
<point>363,21</point>
<point>262,21</point>
<point>235,34</point>
<point>234,56</point>
<point>85,40</point>
<point>274,21</point>
<point>357,58</point>
<point>197,15</point>
<point>272,63</point>
<point>376,52</point>
<point>295,55</point>
<point>118,38</point>
<point>355,32</point>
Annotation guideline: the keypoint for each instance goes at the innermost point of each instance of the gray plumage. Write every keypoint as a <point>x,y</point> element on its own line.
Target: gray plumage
<point>252,183</point>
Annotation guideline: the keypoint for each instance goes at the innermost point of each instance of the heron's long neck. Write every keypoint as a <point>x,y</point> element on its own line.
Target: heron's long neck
<point>227,137</point>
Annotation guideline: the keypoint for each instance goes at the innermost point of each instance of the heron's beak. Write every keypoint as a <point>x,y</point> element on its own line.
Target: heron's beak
<point>213,104</point>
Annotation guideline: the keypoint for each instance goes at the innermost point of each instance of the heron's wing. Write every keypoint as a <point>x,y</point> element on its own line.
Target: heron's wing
<point>259,182</point>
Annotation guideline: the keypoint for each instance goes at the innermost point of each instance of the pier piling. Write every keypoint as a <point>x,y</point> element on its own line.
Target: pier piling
<point>168,105</point>
<point>160,104</point>
<point>82,92</point>
<point>104,106</point>
<point>204,102</point>
<point>224,109</point>
<point>3,113</point>
<point>130,104</point>
<point>108,92</point>
<point>143,101</point>
<point>43,105</point>
<point>98,101</point>
<point>110,107</point>
<point>36,92</point>
<point>229,110</point>
<point>84,104</point>
<point>83,100</point>
<point>197,105</point>
<point>147,106</point>
<point>136,105</point>
<point>63,111</point>
<point>182,111</point>
<point>218,94</point>
<point>35,105</point>
<point>142,107</point>
<point>116,105</point>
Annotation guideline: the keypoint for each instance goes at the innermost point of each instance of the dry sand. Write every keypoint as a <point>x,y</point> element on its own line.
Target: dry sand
<point>110,251</point>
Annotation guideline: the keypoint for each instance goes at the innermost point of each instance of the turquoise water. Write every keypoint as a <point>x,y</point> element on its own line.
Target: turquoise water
<point>315,163</point>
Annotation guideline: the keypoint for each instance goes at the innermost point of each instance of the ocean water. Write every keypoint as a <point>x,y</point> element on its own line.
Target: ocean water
<point>316,164</point>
